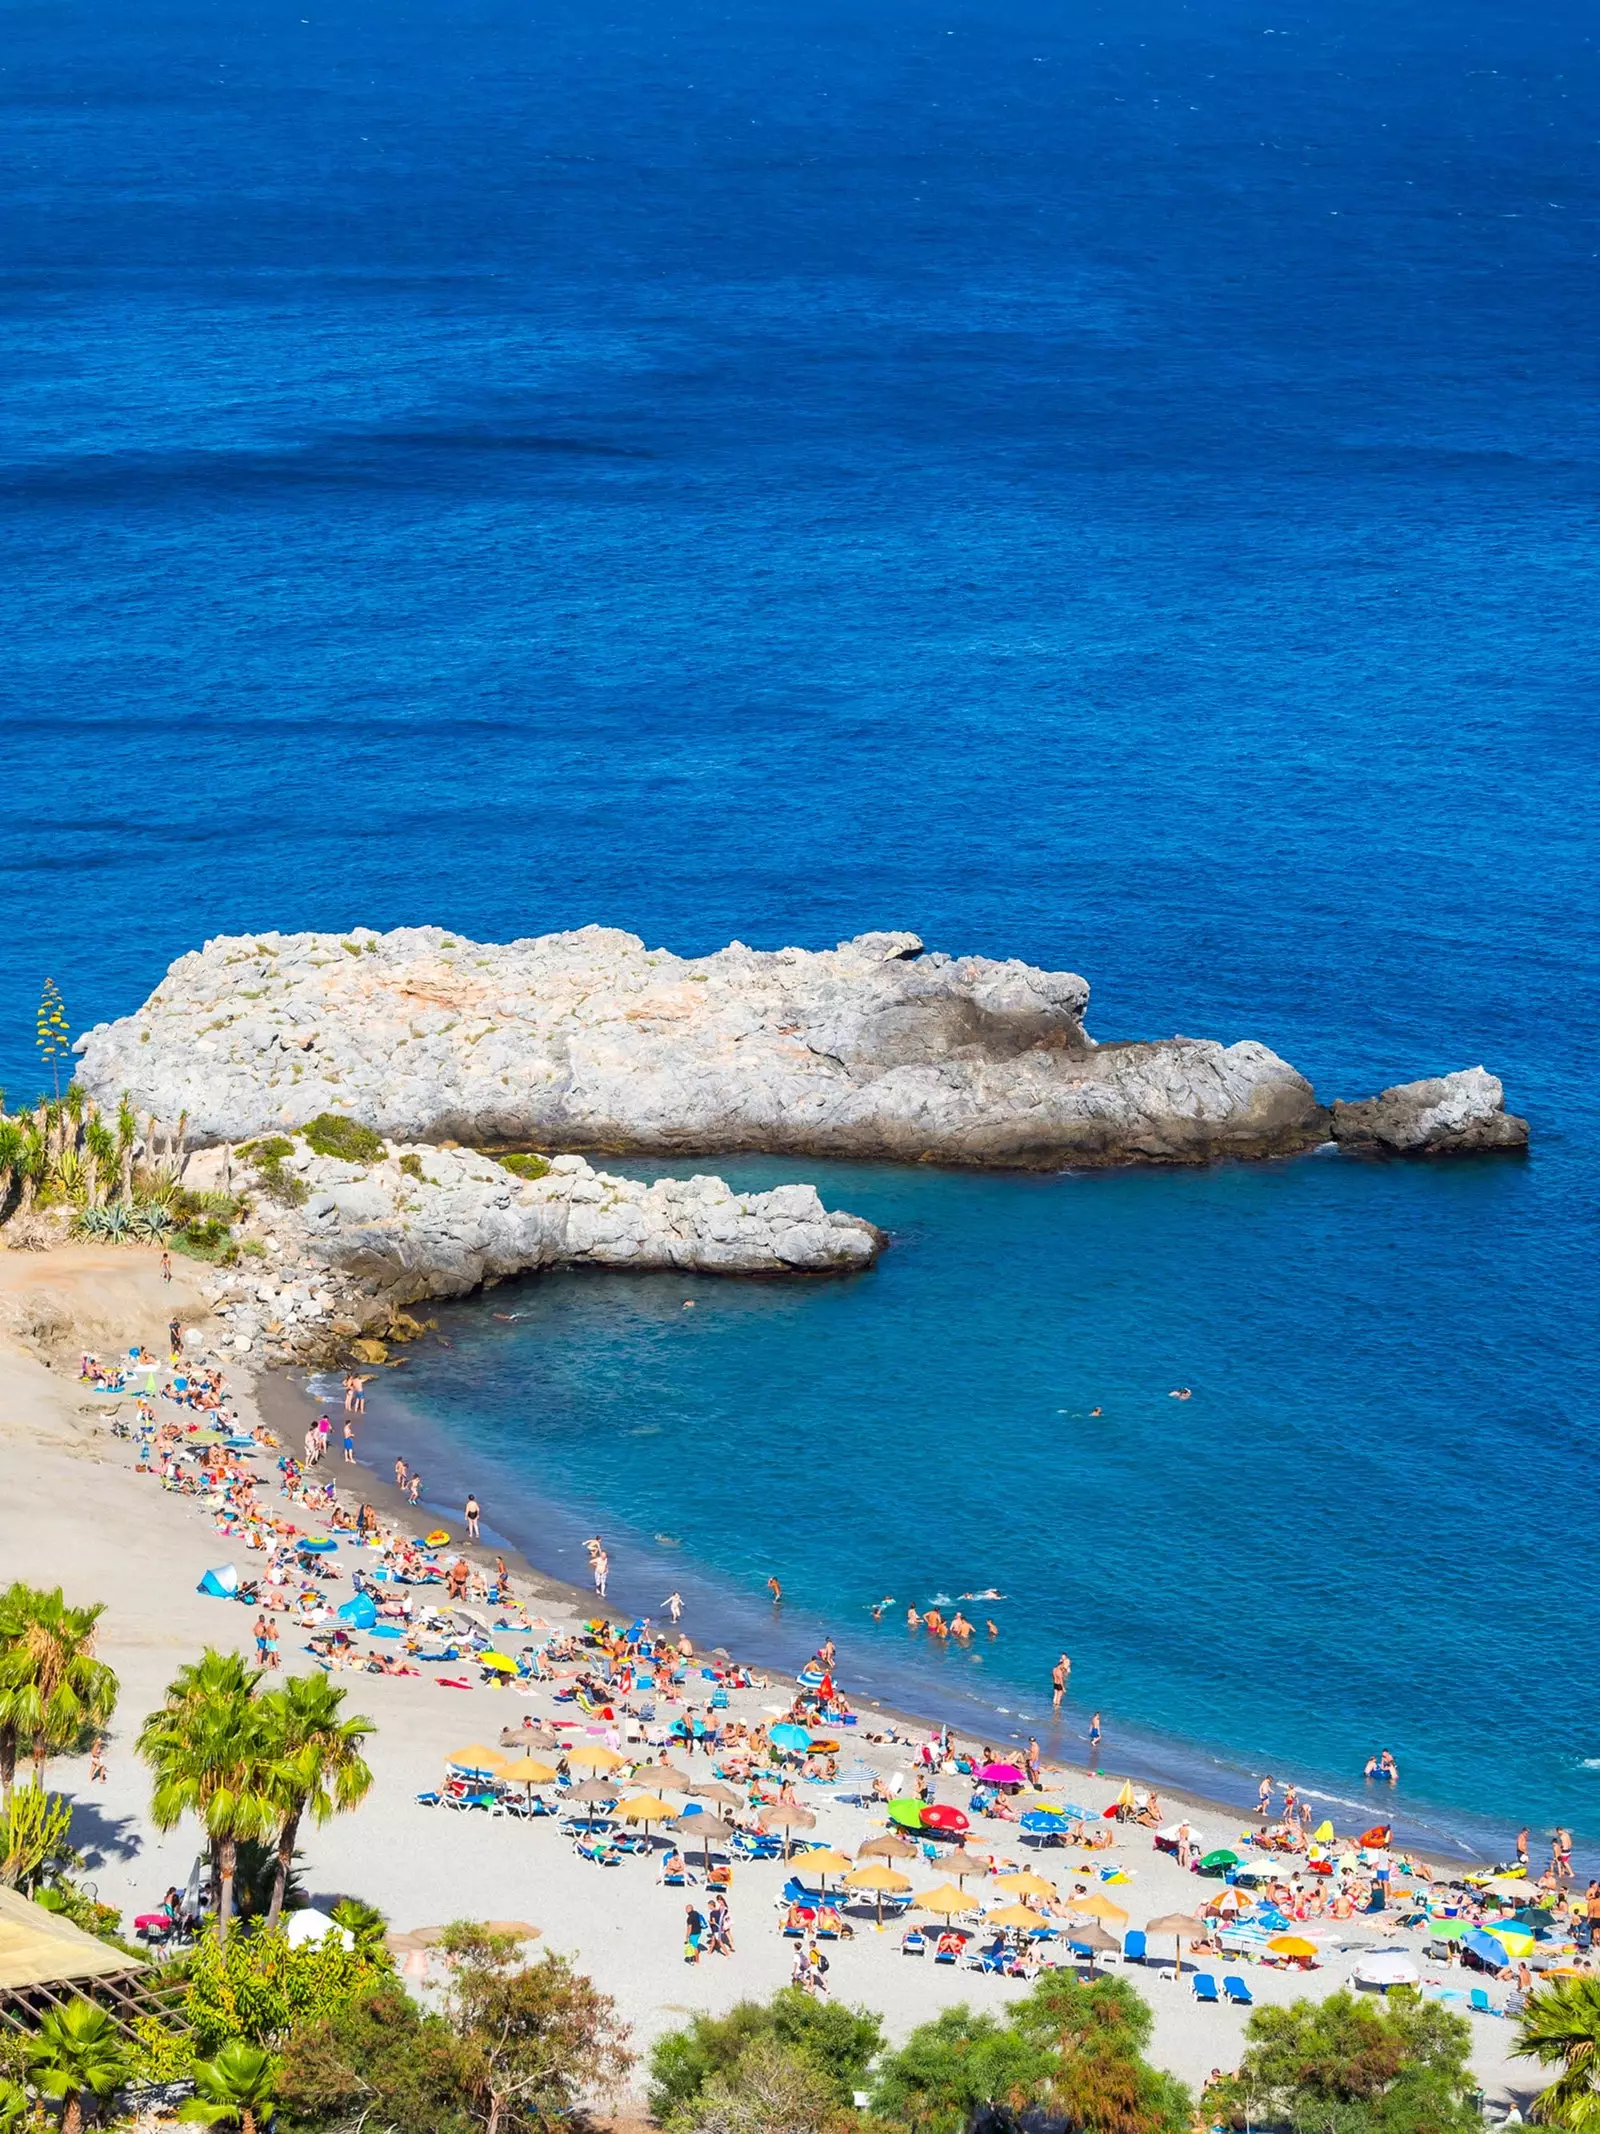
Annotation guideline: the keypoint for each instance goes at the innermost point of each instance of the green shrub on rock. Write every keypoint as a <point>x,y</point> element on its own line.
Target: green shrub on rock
<point>521,1164</point>
<point>331,1134</point>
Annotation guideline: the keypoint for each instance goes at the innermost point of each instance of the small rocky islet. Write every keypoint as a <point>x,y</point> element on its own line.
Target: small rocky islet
<point>450,1053</point>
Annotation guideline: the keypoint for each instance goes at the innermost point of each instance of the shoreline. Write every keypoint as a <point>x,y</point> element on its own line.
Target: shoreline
<point>287,1406</point>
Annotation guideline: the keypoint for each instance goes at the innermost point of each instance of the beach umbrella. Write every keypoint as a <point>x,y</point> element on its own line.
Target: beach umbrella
<point>591,1793</point>
<point>1516,1941</point>
<point>962,1864</point>
<point>880,1880</point>
<point>710,1789</point>
<point>498,1662</point>
<point>1002,1775</point>
<point>1095,1906</point>
<point>665,1774</point>
<point>943,1822</point>
<point>824,1863</point>
<point>887,1847</point>
<point>528,1772</point>
<point>787,1816</point>
<point>1177,1924</point>
<point>1093,1938</point>
<point>1218,1862</point>
<point>646,1808</point>
<point>1024,1885</point>
<point>1323,1834</point>
<point>1386,1968</point>
<point>1295,1945</point>
<point>1488,1948</point>
<point>907,1812</point>
<point>709,1830</point>
<point>1449,1929</point>
<point>317,1548</point>
<point>1534,1917</point>
<point>594,1756</point>
<point>476,1760</point>
<point>792,1740</point>
<point>946,1900</point>
<point>1016,1915</point>
<point>1040,1822</point>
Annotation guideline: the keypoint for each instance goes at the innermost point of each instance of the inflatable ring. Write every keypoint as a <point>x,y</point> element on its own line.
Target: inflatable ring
<point>438,1539</point>
<point>1377,1835</point>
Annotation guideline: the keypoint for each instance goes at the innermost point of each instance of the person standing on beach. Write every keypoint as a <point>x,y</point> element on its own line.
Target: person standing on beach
<point>602,1571</point>
<point>1094,1743</point>
<point>1031,1762</point>
<point>1060,1676</point>
<point>1522,1848</point>
<point>166,1266</point>
<point>673,1605</point>
<point>97,1761</point>
<point>400,1475</point>
<point>1264,1798</point>
<point>472,1512</point>
<point>414,1489</point>
<point>324,1432</point>
<point>349,1444</point>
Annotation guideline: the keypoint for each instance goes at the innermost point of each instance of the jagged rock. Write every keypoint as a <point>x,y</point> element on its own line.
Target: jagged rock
<point>466,1220</point>
<point>591,1040</point>
<point>1448,1115</point>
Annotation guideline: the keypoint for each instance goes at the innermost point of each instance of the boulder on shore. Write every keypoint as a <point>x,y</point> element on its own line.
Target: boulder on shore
<point>590,1040</point>
<point>1460,1114</point>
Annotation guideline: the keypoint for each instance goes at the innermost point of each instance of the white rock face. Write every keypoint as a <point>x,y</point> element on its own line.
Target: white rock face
<point>591,1040</point>
<point>466,1220</point>
<point>1461,1114</point>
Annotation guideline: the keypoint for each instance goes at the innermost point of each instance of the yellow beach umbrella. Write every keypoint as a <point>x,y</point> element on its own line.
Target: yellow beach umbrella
<point>476,1756</point>
<point>594,1756</point>
<point>1026,1885</point>
<point>528,1771</point>
<point>1094,1906</point>
<point>501,1663</point>
<point>947,1900</point>
<point>880,1880</point>
<point>1514,1940</point>
<point>645,1808</point>
<point>1292,1945</point>
<point>1015,1915</point>
<point>825,1863</point>
<point>1323,1834</point>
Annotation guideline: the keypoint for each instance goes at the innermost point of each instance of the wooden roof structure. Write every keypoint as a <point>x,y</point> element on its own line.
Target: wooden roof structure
<point>46,1961</point>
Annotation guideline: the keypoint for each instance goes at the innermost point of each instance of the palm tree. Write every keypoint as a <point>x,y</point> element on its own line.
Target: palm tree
<point>317,1765</point>
<point>77,2050</point>
<point>14,2105</point>
<point>1561,2028</point>
<point>209,1749</point>
<point>53,1690</point>
<point>236,2087</point>
<point>34,1166</point>
<point>100,1153</point>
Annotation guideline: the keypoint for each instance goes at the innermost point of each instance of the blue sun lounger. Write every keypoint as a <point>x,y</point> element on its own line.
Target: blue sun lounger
<point>1237,1991</point>
<point>1133,1946</point>
<point>1204,1987</point>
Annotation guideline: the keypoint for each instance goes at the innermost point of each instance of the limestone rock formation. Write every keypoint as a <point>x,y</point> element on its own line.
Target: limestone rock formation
<point>591,1040</point>
<point>1450,1114</point>
<point>431,1222</point>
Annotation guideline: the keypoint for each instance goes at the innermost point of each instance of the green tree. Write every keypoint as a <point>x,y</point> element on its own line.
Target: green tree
<point>14,2105</point>
<point>840,2043</point>
<point>76,2052</point>
<point>1560,2027</point>
<point>259,1988</point>
<point>33,1166</point>
<point>958,2065</point>
<point>236,2088</point>
<point>382,2060</point>
<point>770,2089</point>
<point>1098,2031</point>
<point>54,1036</point>
<point>127,1135</point>
<point>12,1145</point>
<point>1343,2066</point>
<point>315,1765</point>
<point>365,1924</point>
<point>53,1691</point>
<point>533,2040</point>
<point>210,1752</point>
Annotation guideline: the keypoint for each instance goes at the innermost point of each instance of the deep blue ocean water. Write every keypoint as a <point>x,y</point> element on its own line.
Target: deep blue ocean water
<point>1115,486</point>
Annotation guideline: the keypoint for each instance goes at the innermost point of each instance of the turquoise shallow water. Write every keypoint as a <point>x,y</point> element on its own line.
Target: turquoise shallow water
<point>1110,486</point>
<point>1325,1551</point>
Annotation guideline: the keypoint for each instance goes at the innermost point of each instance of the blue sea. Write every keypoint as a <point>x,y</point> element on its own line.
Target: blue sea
<point>1112,486</point>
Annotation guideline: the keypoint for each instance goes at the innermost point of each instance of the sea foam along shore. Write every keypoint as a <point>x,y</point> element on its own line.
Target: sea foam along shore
<point>589,1039</point>
<point>73,1512</point>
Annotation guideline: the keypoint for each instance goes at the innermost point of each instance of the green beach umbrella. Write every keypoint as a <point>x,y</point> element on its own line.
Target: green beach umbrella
<point>1218,1862</point>
<point>1448,1929</point>
<point>906,1812</point>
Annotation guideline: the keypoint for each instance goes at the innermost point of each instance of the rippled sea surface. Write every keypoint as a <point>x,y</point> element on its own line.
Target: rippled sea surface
<point>1110,486</point>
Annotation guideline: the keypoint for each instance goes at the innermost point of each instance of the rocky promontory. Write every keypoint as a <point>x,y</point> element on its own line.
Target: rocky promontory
<point>355,1240</point>
<point>1462,1114</point>
<point>590,1040</point>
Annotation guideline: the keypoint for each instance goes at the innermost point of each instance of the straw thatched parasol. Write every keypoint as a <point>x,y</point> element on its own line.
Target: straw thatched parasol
<point>477,1756</point>
<point>825,1863</point>
<point>1016,1915</point>
<point>962,1864</point>
<point>595,1756</point>
<point>528,1772</point>
<point>664,1774</point>
<point>887,1847</point>
<point>1177,1924</point>
<point>787,1816</point>
<point>946,1900</point>
<point>709,1829</point>
<point>1094,1906</point>
<point>646,1808</point>
<point>712,1789</point>
<point>590,1793</point>
<point>1092,1937</point>
<point>881,1881</point>
<point>1026,1885</point>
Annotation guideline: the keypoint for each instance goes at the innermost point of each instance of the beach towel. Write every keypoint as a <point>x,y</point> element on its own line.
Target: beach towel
<point>452,1682</point>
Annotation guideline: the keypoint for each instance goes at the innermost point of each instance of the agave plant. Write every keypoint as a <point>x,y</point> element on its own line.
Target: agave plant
<point>90,1222</point>
<point>149,1219</point>
<point>116,1221</point>
<point>161,1189</point>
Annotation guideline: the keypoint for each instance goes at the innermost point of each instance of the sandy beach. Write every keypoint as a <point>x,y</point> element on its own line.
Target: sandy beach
<point>73,1512</point>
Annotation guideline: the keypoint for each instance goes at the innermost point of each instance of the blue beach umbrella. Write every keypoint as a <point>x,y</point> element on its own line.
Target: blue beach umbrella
<point>1486,1948</point>
<point>810,1678</point>
<point>317,1548</point>
<point>793,1740</point>
<point>1041,1821</point>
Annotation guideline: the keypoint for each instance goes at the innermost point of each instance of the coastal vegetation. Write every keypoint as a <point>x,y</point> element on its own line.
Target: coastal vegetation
<point>54,1693</point>
<point>522,1163</point>
<point>1561,2028</point>
<point>1349,2066</point>
<point>331,1134</point>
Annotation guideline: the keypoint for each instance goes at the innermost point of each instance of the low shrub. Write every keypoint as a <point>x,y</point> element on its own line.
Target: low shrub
<point>331,1134</point>
<point>521,1164</point>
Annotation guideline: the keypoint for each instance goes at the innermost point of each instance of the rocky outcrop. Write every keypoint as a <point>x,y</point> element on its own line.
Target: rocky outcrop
<point>430,1222</point>
<point>591,1040</point>
<point>1449,1115</point>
